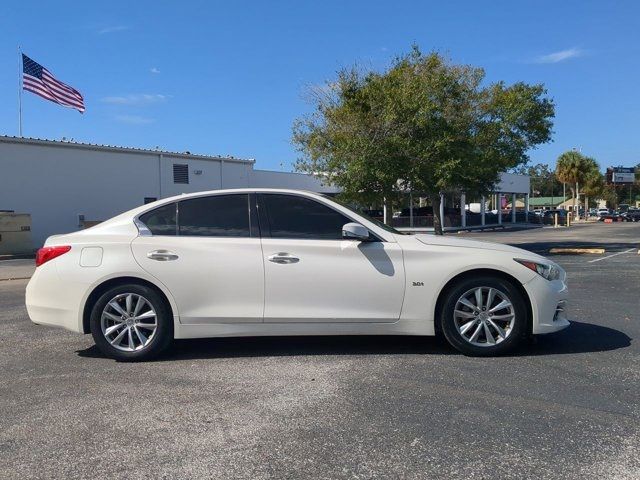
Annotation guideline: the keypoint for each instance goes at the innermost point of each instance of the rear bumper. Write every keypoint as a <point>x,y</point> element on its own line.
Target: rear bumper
<point>49,301</point>
<point>549,302</point>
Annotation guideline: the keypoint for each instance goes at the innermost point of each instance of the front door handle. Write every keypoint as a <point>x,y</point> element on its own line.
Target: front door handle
<point>162,255</point>
<point>283,258</point>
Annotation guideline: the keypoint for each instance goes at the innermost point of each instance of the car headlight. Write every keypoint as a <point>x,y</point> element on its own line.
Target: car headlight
<point>550,271</point>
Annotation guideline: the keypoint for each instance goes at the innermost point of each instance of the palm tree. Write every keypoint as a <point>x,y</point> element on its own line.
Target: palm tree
<point>571,168</point>
<point>593,182</point>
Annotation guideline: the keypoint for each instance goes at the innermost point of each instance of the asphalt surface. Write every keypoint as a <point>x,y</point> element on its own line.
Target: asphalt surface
<point>563,407</point>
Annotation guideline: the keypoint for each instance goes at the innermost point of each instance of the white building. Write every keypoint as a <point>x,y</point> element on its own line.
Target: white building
<point>65,186</point>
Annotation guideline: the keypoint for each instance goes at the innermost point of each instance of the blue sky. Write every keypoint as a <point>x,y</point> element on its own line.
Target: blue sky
<point>229,77</point>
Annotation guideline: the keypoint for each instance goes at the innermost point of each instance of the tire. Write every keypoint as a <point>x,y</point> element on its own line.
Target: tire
<point>506,332</point>
<point>117,319</point>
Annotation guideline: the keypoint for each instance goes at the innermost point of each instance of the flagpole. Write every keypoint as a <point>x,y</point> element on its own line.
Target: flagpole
<point>19,91</point>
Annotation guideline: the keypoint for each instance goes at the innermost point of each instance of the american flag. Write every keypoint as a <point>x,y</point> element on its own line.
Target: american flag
<point>37,79</point>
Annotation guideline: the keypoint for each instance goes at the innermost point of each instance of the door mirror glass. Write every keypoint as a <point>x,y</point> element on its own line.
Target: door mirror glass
<point>354,231</point>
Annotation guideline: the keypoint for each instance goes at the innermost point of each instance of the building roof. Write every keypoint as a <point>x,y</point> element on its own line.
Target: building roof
<point>116,148</point>
<point>544,201</point>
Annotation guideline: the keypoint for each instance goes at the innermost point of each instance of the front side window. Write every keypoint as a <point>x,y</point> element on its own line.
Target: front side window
<point>162,220</point>
<point>290,216</point>
<point>215,216</point>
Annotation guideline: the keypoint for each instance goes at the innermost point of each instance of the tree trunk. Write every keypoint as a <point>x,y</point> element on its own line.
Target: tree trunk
<point>573,198</point>
<point>437,221</point>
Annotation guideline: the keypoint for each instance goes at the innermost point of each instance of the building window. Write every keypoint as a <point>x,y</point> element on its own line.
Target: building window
<point>180,173</point>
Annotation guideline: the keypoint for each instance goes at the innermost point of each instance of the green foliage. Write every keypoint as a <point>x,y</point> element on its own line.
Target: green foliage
<point>424,124</point>
<point>572,167</point>
<point>593,181</point>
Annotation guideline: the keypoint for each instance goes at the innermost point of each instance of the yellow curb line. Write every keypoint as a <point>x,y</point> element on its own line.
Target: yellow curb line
<point>576,250</point>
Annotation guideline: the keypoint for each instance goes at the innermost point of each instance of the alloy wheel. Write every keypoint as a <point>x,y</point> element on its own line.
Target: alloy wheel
<point>129,322</point>
<point>484,316</point>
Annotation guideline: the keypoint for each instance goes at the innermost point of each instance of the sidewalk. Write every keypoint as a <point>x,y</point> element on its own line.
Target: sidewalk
<point>16,269</point>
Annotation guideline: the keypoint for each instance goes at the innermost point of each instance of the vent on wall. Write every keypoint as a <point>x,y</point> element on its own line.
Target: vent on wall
<point>180,173</point>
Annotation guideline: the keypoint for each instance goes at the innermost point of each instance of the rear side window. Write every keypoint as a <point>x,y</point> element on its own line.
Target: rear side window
<point>162,220</point>
<point>215,216</point>
<point>290,216</point>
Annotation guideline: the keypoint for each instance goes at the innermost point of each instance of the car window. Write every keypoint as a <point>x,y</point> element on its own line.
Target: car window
<point>291,216</point>
<point>215,216</point>
<point>161,220</point>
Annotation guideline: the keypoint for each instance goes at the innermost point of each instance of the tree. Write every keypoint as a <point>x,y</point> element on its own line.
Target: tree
<point>594,183</point>
<point>571,168</point>
<point>424,125</point>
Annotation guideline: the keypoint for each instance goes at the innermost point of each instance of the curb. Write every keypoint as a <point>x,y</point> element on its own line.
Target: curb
<point>577,251</point>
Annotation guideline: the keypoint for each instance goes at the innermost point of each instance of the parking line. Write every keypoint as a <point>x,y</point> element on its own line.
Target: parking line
<point>609,256</point>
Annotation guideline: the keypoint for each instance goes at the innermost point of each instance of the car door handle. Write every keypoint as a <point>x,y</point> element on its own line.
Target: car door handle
<point>283,258</point>
<point>162,255</point>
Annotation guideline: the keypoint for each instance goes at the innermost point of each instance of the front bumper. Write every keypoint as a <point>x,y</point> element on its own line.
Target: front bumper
<point>548,304</point>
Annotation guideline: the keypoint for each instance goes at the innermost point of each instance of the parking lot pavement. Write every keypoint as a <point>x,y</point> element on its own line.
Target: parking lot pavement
<point>16,269</point>
<point>563,407</point>
<point>614,237</point>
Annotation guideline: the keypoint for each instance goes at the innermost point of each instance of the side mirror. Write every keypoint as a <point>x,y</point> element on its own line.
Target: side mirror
<point>354,231</point>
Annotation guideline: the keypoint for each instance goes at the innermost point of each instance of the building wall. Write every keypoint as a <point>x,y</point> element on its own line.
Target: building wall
<point>298,181</point>
<point>57,182</point>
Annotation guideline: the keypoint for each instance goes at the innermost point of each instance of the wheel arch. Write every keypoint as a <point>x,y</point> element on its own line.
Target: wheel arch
<point>473,273</point>
<point>114,282</point>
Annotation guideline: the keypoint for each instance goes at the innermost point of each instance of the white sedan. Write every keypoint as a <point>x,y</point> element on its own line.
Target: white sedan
<point>252,262</point>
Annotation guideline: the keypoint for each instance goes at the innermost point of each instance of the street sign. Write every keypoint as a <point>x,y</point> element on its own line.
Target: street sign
<point>621,175</point>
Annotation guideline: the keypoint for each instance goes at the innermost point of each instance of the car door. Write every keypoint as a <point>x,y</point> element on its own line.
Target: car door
<point>313,275</point>
<point>207,252</point>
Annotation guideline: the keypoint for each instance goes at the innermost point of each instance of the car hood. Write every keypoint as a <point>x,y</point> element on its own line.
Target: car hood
<point>448,241</point>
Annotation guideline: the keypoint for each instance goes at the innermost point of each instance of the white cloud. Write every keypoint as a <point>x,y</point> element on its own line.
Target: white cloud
<point>154,70</point>
<point>113,29</point>
<point>134,119</point>
<point>560,56</point>
<point>136,99</point>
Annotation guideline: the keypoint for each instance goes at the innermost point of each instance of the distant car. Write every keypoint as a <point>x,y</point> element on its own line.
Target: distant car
<point>255,262</point>
<point>614,217</point>
<point>549,217</point>
<point>603,211</point>
<point>631,215</point>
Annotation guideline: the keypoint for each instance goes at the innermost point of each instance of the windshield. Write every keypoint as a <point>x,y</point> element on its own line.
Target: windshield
<point>359,212</point>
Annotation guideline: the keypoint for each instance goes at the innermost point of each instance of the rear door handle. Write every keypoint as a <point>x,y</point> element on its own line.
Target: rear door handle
<point>283,258</point>
<point>162,255</point>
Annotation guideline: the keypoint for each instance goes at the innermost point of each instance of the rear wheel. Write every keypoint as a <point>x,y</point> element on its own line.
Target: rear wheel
<point>484,316</point>
<point>131,323</point>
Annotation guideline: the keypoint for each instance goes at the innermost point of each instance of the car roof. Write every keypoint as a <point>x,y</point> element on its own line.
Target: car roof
<point>239,190</point>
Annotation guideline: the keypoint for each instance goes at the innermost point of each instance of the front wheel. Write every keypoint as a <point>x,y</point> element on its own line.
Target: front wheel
<point>484,316</point>
<point>131,323</point>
